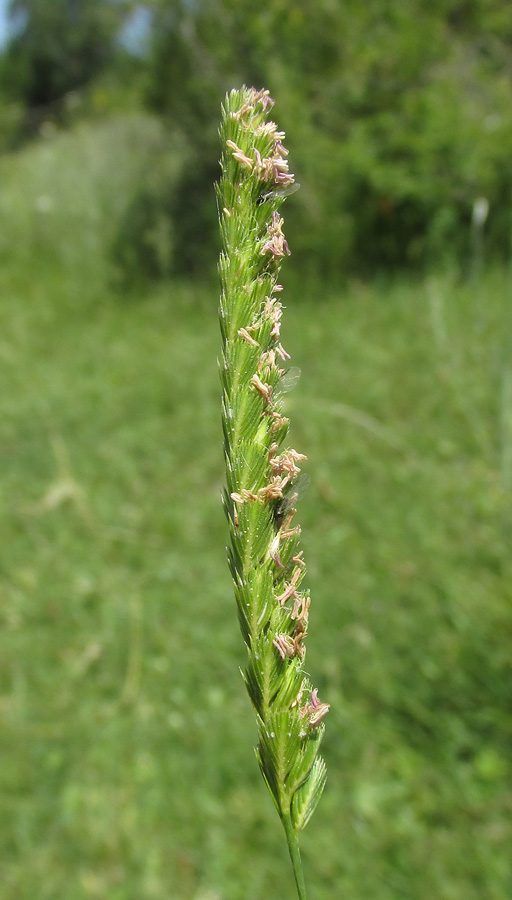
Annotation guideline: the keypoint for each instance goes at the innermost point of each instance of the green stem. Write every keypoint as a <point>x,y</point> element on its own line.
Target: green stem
<point>293,847</point>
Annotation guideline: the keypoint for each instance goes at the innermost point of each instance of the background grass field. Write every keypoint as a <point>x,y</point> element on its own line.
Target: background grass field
<point>127,769</point>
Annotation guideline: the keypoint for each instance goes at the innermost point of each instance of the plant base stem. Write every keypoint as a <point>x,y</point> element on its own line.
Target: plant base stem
<point>293,847</point>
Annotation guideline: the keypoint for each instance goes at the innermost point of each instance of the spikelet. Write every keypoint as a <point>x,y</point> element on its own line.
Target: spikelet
<point>262,474</point>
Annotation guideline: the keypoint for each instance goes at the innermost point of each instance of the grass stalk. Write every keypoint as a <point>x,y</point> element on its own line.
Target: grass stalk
<point>293,847</point>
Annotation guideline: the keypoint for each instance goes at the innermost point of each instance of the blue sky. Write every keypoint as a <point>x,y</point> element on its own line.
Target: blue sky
<point>3,21</point>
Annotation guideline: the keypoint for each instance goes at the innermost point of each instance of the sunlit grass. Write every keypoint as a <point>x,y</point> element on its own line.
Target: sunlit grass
<point>125,770</point>
<point>125,766</point>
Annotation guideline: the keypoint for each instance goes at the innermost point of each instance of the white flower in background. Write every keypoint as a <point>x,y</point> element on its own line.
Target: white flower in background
<point>480,211</point>
<point>44,203</point>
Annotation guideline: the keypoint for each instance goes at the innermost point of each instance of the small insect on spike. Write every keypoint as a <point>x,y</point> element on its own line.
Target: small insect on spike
<point>292,496</point>
<point>288,381</point>
<point>278,193</point>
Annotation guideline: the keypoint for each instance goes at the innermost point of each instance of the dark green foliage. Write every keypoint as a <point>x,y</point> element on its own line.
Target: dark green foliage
<point>144,244</point>
<point>401,115</point>
<point>59,46</point>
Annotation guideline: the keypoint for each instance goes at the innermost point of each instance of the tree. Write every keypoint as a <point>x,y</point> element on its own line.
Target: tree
<point>398,116</point>
<point>59,46</point>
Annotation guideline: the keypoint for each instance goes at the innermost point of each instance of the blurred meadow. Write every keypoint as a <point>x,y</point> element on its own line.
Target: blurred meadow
<point>126,762</point>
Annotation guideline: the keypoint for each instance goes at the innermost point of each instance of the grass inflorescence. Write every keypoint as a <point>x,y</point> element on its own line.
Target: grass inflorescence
<point>264,557</point>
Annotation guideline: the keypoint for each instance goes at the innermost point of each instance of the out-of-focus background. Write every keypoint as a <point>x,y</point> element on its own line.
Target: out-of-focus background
<point>126,764</point>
